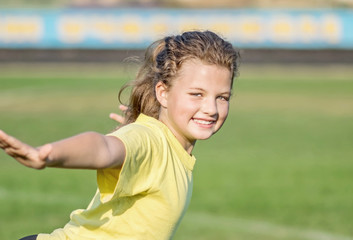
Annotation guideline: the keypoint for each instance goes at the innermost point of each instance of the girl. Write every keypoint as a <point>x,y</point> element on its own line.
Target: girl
<point>144,168</point>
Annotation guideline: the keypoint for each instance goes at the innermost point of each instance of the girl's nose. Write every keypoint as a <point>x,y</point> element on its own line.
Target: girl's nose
<point>210,107</point>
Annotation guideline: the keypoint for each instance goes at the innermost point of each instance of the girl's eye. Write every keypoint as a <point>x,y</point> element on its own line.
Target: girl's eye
<point>224,98</point>
<point>196,94</point>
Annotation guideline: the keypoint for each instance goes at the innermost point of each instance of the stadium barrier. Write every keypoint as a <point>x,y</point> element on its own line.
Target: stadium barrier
<point>137,28</point>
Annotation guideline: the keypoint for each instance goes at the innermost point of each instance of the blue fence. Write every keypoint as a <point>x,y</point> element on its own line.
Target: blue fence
<point>137,28</point>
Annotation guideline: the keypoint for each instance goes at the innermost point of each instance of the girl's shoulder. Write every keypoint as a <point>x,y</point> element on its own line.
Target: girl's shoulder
<point>147,131</point>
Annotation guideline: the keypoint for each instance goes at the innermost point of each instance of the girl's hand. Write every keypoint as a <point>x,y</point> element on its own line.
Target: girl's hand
<point>23,153</point>
<point>119,118</point>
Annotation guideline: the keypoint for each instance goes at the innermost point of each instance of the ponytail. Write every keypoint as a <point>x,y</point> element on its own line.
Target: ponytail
<point>142,97</point>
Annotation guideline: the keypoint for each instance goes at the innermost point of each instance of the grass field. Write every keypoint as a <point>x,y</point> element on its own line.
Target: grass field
<point>281,167</point>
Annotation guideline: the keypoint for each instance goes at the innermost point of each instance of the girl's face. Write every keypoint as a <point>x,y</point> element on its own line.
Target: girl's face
<point>196,105</point>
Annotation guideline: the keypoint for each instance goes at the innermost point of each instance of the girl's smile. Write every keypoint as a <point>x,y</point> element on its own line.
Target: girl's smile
<point>196,105</point>
<point>204,123</point>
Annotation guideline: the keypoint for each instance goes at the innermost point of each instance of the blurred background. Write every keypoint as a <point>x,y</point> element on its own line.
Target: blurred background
<point>280,168</point>
<point>113,26</point>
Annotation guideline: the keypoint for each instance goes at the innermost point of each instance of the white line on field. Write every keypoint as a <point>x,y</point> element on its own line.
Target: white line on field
<point>259,227</point>
<point>201,218</point>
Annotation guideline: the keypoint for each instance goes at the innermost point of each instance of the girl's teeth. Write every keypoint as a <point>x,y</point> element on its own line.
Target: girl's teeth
<point>202,121</point>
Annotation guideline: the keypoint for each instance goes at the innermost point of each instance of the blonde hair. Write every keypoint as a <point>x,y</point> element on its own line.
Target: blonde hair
<point>163,60</point>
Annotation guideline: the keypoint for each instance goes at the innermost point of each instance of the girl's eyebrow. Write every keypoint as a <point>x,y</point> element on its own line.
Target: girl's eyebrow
<point>197,88</point>
<point>201,89</point>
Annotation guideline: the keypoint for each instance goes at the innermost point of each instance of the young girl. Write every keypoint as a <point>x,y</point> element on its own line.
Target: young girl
<point>144,168</point>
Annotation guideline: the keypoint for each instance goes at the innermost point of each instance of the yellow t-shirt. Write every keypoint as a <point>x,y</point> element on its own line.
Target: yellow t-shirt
<point>146,198</point>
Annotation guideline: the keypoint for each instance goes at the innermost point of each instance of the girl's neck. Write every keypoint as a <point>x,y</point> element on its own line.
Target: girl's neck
<point>185,143</point>
<point>189,149</point>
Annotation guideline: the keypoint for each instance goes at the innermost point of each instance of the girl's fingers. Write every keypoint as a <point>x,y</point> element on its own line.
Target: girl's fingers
<point>17,149</point>
<point>117,117</point>
<point>123,107</point>
<point>23,153</point>
<point>10,142</point>
<point>7,141</point>
<point>3,137</point>
<point>20,150</point>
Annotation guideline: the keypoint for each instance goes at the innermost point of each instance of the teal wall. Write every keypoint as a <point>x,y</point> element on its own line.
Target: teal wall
<point>137,28</point>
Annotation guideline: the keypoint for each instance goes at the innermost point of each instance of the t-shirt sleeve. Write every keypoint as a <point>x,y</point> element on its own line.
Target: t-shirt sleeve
<point>139,167</point>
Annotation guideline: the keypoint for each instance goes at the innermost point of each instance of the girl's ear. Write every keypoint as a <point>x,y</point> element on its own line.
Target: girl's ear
<point>162,93</point>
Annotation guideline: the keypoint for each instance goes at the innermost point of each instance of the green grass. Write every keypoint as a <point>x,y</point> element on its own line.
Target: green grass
<point>281,167</point>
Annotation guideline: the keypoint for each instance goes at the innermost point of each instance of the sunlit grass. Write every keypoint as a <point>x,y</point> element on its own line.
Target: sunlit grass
<point>279,169</point>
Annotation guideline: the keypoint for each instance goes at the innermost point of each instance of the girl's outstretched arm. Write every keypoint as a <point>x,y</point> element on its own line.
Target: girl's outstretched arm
<point>87,150</point>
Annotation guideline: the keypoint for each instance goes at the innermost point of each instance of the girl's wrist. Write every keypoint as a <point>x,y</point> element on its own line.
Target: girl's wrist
<point>45,155</point>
